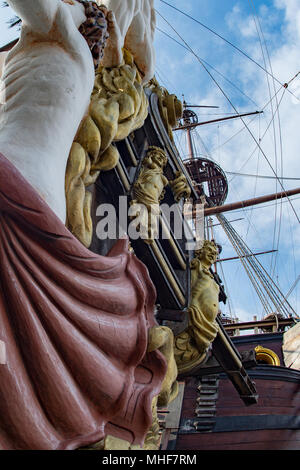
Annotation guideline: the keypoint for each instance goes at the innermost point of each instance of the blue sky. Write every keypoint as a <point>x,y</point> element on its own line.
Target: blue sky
<point>269,32</point>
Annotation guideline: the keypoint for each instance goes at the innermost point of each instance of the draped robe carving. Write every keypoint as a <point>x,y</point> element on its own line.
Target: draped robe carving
<point>75,328</point>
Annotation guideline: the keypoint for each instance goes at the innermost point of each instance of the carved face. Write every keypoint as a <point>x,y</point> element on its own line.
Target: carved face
<point>155,159</point>
<point>208,254</point>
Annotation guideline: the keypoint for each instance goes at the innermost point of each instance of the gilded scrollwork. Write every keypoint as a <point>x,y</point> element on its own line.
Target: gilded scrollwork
<point>192,344</point>
<point>266,356</point>
<point>162,338</point>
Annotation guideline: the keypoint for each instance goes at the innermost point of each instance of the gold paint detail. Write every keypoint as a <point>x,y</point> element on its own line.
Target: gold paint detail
<point>112,443</point>
<point>170,107</point>
<point>150,184</point>
<point>153,437</point>
<point>180,187</point>
<point>161,338</point>
<point>118,107</point>
<point>267,356</point>
<point>192,344</point>
<point>148,191</point>
<point>186,353</point>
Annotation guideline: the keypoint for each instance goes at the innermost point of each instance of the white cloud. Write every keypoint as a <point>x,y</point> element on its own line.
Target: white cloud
<point>235,20</point>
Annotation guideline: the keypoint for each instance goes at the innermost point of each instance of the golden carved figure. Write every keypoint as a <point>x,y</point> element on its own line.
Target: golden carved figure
<point>152,440</point>
<point>149,187</point>
<point>191,345</point>
<point>148,191</point>
<point>118,107</point>
<point>170,107</point>
<point>162,338</point>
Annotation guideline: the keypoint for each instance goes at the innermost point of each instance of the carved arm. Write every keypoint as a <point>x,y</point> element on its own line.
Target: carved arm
<point>37,14</point>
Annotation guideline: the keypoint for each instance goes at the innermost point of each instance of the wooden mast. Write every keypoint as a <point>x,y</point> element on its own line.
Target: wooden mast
<point>191,126</point>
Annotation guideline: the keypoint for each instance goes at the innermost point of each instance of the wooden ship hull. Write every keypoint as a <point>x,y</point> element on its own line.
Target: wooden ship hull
<point>215,418</point>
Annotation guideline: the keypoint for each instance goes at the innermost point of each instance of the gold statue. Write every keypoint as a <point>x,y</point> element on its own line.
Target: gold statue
<point>191,345</point>
<point>148,191</point>
<point>149,187</point>
<point>180,187</point>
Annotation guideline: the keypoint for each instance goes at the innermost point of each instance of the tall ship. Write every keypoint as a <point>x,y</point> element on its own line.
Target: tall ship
<point>245,395</point>
<point>231,384</point>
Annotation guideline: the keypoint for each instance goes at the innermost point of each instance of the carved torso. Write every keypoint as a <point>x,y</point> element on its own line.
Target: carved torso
<point>205,292</point>
<point>48,79</point>
<point>150,185</point>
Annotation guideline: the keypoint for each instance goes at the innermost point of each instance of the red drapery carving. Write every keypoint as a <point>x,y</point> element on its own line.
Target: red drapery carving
<point>75,328</point>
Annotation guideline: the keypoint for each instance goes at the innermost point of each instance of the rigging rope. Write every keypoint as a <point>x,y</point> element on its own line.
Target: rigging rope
<point>230,102</point>
<point>261,37</point>
<point>260,276</point>
<point>280,147</point>
<point>266,289</point>
<point>263,279</point>
<point>260,293</point>
<point>272,120</point>
<point>228,42</point>
<point>261,139</point>
<point>230,302</point>
<point>214,69</point>
<point>243,128</point>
